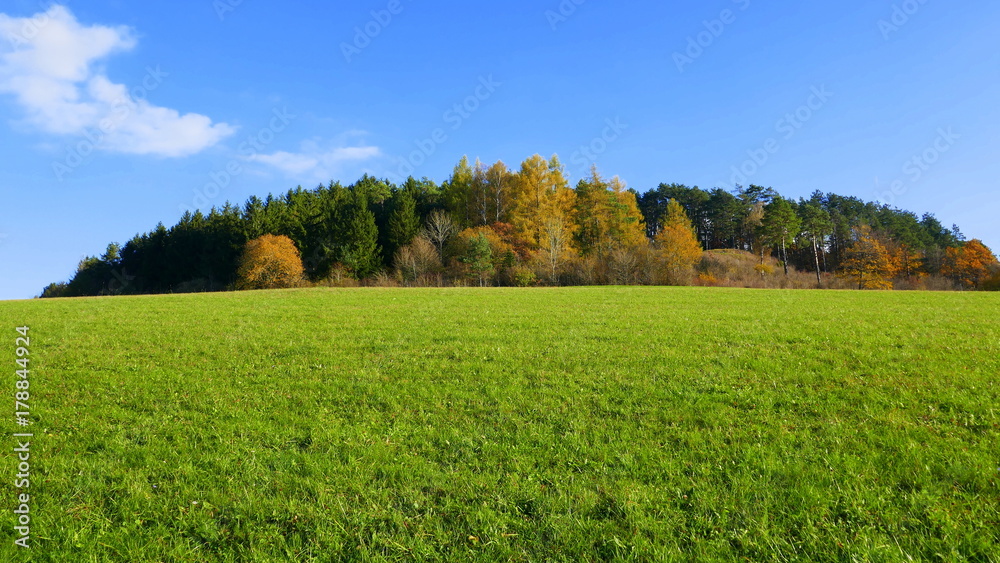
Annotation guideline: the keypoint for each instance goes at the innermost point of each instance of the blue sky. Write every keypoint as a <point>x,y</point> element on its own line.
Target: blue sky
<point>117,115</point>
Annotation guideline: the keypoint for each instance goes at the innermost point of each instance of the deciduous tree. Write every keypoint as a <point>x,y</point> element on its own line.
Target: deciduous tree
<point>867,261</point>
<point>678,245</point>
<point>270,262</point>
<point>439,230</point>
<point>971,264</point>
<point>417,259</point>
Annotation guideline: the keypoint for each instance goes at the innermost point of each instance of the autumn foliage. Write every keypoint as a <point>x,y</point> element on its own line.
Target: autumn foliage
<point>972,265</point>
<point>678,246</point>
<point>270,262</point>
<point>493,225</point>
<point>868,262</point>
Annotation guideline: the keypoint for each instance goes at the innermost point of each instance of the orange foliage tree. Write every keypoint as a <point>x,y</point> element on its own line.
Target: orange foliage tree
<point>269,262</point>
<point>907,262</point>
<point>678,244</point>
<point>971,265</point>
<point>868,262</point>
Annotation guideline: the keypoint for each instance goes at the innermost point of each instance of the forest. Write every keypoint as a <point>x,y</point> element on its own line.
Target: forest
<point>489,225</point>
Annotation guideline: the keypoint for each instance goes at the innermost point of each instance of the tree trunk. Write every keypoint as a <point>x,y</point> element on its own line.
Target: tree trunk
<point>819,279</point>
<point>784,256</point>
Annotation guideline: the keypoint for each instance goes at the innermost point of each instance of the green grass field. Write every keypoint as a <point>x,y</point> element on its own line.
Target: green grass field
<point>587,424</point>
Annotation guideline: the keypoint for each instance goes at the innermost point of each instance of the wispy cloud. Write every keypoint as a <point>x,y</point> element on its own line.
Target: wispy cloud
<point>53,73</point>
<point>317,160</point>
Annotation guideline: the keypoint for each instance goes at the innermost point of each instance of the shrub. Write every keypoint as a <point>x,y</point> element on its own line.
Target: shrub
<point>523,277</point>
<point>993,282</point>
<point>417,260</point>
<point>707,280</point>
<point>270,262</point>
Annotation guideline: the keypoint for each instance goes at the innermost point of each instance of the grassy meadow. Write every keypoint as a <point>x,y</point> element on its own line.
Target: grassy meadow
<point>581,424</point>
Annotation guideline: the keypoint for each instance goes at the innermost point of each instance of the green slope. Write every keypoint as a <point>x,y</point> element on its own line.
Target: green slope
<point>590,424</point>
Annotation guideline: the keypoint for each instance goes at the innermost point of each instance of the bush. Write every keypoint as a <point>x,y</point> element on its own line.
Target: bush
<point>707,280</point>
<point>339,277</point>
<point>54,290</point>
<point>993,283</point>
<point>417,260</point>
<point>523,277</point>
<point>270,262</point>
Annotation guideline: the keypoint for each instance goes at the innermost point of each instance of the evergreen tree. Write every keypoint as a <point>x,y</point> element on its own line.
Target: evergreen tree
<point>404,224</point>
<point>816,225</point>
<point>478,259</point>
<point>360,251</point>
<point>780,225</point>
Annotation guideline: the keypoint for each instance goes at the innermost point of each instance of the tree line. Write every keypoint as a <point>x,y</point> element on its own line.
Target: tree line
<point>492,225</point>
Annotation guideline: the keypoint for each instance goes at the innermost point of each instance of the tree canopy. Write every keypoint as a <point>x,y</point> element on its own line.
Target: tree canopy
<point>598,231</point>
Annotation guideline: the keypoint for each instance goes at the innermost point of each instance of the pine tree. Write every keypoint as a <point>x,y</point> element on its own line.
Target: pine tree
<point>478,259</point>
<point>816,225</point>
<point>360,251</point>
<point>404,224</point>
<point>780,225</point>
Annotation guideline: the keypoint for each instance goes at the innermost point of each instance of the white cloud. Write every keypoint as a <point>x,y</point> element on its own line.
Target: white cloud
<point>316,162</point>
<point>48,62</point>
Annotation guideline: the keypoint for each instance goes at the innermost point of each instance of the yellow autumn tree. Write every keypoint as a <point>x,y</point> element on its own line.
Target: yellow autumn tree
<point>868,262</point>
<point>971,265</point>
<point>678,245</point>
<point>607,216</point>
<point>907,262</point>
<point>269,262</point>
<point>543,201</point>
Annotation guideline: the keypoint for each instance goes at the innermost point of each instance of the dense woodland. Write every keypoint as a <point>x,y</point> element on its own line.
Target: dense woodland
<point>490,225</point>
